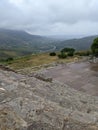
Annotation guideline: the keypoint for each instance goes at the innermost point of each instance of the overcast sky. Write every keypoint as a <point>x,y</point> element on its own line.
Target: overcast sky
<point>50,17</point>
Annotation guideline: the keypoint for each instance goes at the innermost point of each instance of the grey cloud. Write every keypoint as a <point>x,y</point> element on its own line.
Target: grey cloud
<point>50,16</point>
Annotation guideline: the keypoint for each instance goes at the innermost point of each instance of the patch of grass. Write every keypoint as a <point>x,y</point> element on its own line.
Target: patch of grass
<point>32,60</point>
<point>35,60</point>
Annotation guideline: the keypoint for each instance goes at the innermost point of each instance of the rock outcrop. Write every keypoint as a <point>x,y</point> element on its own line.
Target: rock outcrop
<point>27,103</point>
<point>41,76</point>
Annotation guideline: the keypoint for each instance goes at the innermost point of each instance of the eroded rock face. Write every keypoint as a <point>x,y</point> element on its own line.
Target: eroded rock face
<point>27,103</point>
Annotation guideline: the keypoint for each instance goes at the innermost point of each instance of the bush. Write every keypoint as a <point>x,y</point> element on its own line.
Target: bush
<point>9,59</point>
<point>70,54</point>
<point>52,54</point>
<point>62,55</point>
<point>68,51</point>
<point>83,53</point>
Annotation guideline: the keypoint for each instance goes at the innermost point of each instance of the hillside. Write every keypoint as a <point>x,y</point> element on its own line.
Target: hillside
<point>33,62</point>
<point>17,43</point>
<point>78,44</point>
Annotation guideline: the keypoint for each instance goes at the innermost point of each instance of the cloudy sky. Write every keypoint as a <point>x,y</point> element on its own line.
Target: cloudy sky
<point>50,17</point>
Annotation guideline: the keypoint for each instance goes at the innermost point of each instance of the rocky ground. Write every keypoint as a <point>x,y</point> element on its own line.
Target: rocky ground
<point>82,76</point>
<point>35,102</point>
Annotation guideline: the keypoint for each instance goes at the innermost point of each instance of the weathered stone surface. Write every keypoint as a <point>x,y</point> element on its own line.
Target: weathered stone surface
<point>82,76</point>
<point>27,103</point>
<point>41,76</point>
<point>9,120</point>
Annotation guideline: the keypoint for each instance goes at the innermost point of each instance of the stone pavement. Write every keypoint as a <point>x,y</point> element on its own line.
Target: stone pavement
<point>80,76</point>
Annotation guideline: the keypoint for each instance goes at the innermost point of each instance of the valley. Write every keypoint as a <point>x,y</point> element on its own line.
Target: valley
<point>15,43</point>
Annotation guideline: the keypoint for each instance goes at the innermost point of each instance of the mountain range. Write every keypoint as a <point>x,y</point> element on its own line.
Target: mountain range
<point>15,43</point>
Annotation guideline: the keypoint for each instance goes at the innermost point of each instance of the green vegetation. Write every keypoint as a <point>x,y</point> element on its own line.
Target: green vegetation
<point>9,59</point>
<point>83,53</point>
<point>94,47</point>
<point>66,52</point>
<point>20,50</point>
<point>19,43</point>
<point>62,55</point>
<point>70,54</point>
<point>52,54</point>
<point>34,61</point>
<point>78,44</point>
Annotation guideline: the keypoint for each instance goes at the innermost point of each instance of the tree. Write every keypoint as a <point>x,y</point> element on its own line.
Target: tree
<point>9,59</point>
<point>62,55</point>
<point>67,50</point>
<point>94,47</point>
<point>70,54</point>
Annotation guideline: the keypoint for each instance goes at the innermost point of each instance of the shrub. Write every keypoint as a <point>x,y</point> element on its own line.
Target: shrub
<point>68,51</point>
<point>62,55</point>
<point>70,54</point>
<point>9,59</point>
<point>83,53</point>
<point>52,54</point>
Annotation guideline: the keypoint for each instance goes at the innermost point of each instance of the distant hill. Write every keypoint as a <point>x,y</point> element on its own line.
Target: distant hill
<point>78,44</point>
<point>64,37</point>
<point>17,43</point>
